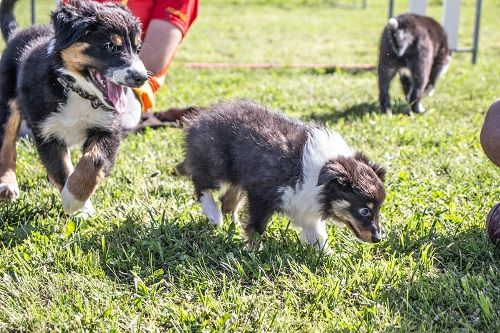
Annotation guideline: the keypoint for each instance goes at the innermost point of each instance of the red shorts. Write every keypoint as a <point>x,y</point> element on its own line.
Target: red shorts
<point>180,13</point>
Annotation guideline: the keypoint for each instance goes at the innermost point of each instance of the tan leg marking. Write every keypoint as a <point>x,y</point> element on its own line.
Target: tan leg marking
<point>8,154</point>
<point>231,201</point>
<point>87,175</point>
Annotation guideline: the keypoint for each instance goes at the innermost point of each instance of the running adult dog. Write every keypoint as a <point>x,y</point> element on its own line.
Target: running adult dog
<point>417,47</point>
<point>69,82</point>
<point>281,165</point>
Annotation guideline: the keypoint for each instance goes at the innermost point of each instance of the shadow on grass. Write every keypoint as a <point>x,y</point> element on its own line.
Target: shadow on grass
<point>16,219</point>
<point>174,248</point>
<point>192,252</point>
<point>444,292</point>
<point>438,293</point>
<point>356,112</point>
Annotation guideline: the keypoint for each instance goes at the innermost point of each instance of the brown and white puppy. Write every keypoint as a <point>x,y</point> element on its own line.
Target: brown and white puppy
<point>417,47</point>
<point>281,165</point>
<point>69,82</point>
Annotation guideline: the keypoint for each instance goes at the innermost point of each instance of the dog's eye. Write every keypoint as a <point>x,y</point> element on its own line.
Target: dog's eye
<point>111,47</point>
<point>138,48</point>
<point>364,212</point>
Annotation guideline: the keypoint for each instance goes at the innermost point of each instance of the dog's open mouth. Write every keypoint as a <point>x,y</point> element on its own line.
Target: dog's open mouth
<point>113,93</point>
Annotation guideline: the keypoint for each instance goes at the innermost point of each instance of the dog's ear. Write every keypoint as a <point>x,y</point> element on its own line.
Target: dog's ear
<point>378,169</point>
<point>70,24</point>
<point>334,172</point>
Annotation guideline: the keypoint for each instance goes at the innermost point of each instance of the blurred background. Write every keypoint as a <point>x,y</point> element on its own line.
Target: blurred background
<point>302,31</point>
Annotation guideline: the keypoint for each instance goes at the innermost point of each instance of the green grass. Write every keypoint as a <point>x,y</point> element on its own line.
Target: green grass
<point>149,261</point>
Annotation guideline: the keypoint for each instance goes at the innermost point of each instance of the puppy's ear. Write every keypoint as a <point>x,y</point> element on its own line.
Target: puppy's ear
<point>378,169</point>
<point>70,24</point>
<point>334,173</point>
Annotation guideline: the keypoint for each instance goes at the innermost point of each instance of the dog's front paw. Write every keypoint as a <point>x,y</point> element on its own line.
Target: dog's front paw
<point>419,108</point>
<point>9,191</point>
<point>429,91</point>
<point>70,203</point>
<point>215,216</point>
<point>387,111</point>
<point>86,212</point>
<point>328,252</point>
<point>210,209</point>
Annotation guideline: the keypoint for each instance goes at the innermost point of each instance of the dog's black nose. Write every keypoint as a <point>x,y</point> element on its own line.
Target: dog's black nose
<point>376,238</point>
<point>136,79</point>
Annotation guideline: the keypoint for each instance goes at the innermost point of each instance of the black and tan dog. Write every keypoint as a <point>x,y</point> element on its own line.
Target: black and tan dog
<point>417,47</point>
<point>69,81</point>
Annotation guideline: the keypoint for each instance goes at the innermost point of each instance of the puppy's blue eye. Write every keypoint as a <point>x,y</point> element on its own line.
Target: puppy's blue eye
<point>364,212</point>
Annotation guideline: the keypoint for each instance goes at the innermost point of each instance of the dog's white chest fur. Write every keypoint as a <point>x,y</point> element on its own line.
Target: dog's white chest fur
<point>301,202</point>
<point>73,120</point>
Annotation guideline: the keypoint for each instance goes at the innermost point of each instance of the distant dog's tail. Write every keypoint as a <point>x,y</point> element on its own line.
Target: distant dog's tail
<point>8,23</point>
<point>182,116</point>
<point>393,24</point>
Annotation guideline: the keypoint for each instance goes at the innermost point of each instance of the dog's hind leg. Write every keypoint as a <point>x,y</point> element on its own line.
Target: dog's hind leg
<point>420,68</point>
<point>11,119</point>
<point>406,82</point>
<point>439,67</point>
<point>259,213</point>
<point>231,200</point>
<point>385,75</point>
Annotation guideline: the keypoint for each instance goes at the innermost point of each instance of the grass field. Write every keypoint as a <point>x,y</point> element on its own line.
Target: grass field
<point>149,261</point>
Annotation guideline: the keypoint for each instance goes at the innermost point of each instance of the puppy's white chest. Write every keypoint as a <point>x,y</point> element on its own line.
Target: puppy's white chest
<point>73,121</point>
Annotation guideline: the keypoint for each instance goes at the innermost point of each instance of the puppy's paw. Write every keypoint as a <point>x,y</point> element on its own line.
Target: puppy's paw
<point>215,217</point>
<point>9,191</point>
<point>86,212</point>
<point>70,203</point>
<point>387,111</point>
<point>317,237</point>
<point>429,91</point>
<point>419,108</point>
<point>327,251</point>
<point>210,209</point>
<point>253,241</point>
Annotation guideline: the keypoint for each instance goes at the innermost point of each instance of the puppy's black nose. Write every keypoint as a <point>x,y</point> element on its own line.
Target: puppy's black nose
<point>136,79</point>
<point>376,238</point>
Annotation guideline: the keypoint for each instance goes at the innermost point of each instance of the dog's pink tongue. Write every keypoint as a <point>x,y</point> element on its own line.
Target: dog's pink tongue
<point>116,95</point>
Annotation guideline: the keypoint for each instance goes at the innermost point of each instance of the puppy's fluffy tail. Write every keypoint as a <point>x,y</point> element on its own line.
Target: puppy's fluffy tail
<point>8,23</point>
<point>393,24</point>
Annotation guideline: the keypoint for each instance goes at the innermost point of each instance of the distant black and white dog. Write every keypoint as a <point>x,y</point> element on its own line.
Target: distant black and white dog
<point>283,165</point>
<point>69,82</point>
<point>417,47</point>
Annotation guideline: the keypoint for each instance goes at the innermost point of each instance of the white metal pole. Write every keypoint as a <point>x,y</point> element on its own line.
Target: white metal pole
<point>451,21</point>
<point>418,6</point>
